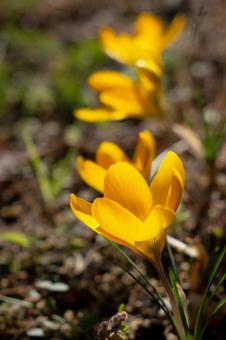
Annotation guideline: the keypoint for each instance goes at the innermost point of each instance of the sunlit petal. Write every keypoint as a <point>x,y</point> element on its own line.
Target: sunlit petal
<point>144,152</point>
<point>112,238</point>
<point>158,220</point>
<point>91,173</point>
<point>152,241</point>
<point>152,249</point>
<point>109,153</point>
<point>116,220</point>
<point>126,100</point>
<point>99,115</point>
<point>175,192</point>
<point>103,80</point>
<point>161,183</point>
<point>125,185</point>
<point>174,30</point>
<point>82,210</point>
<point>119,47</point>
<point>149,25</point>
<point>148,81</point>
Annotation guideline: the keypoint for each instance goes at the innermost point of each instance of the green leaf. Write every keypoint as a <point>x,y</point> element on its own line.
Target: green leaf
<point>40,168</point>
<point>144,282</point>
<point>172,261</point>
<point>218,307</point>
<point>198,330</point>
<point>61,173</point>
<point>220,282</point>
<point>212,143</point>
<point>15,237</point>
<point>121,307</point>
<point>215,311</point>
<point>179,303</point>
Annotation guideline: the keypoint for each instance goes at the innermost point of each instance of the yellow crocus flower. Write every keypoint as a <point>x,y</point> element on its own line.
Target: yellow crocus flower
<point>123,97</point>
<point>144,47</point>
<point>131,212</point>
<point>108,153</point>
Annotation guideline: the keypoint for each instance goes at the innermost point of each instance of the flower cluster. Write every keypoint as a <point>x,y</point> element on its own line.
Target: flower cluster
<point>120,95</point>
<point>135,207</point>
<point>144,47</point>
<point>131,212</point>
<point>108,153</point>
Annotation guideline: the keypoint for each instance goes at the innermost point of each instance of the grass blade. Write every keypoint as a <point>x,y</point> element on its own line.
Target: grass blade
<point>173,264</point>
<point>199,320</point>
<point>39,167</point>
<point>218,308</point>
<point>179,303</point>
<point>215,311</point>
<point>220,282</point>
<point>165,310</point>
<point>156,296</point>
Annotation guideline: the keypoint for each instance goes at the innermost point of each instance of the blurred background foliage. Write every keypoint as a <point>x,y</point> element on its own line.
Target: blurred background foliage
<point>41,73</point>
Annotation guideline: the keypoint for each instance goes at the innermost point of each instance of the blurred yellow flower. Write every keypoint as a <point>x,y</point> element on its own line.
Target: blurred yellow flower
<point>108,153</point>
<point>123,97</point>
<point>144,47</point>
<point>131,212</point>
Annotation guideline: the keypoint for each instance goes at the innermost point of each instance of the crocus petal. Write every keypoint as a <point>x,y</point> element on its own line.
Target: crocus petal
<point>99,115</point>
<point>104,80</point>
<point>82,210</point>
<point>119,47</point>
<point>162,181</point>
<point>112,238</point>
<point>109,153</point>
<point>152,241</point>
<point>144,152</point>
<point>152,64</point>
<point>149,81</point>
<point>157,221</point>
<point>116,220</point>
<point>126,100</point>
<point>131,50</point>
<point>125,185</point>
<point>152,249</point>
<point>150,39</point>
<point>91,173</point>
<point>150,90</point>
<point>149,25</point>
<point>174,30</point>
<point>175,191</point>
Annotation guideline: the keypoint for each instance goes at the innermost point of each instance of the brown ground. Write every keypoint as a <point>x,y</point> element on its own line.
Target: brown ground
<point>91,286</point>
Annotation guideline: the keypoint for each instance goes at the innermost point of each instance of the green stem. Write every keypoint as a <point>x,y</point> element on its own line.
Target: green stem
<point>175,310</point>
